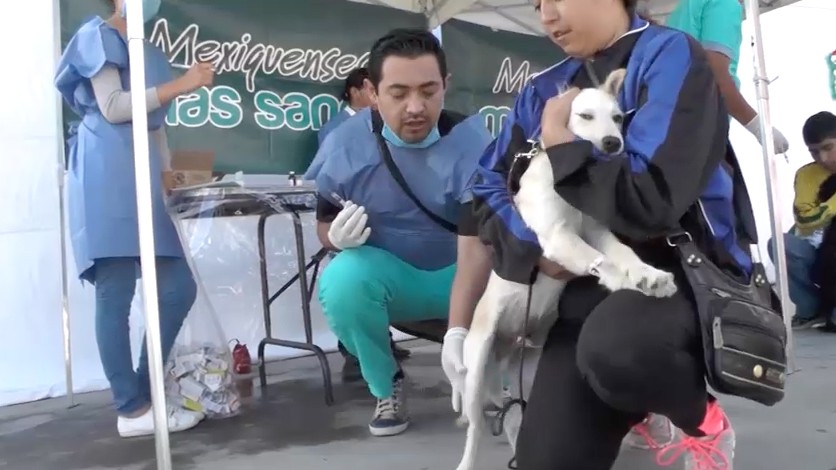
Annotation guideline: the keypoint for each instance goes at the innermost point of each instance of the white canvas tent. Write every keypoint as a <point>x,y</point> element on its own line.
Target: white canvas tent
<point>515,15</point>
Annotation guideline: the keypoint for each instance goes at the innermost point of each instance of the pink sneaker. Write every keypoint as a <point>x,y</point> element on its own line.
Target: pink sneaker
<point>655,432</point>
<point>714,451</point>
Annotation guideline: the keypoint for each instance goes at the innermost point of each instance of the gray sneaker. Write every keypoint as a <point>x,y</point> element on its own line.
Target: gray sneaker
<point>390,415</point>
<point>715,452</point>
<point>655,432</point>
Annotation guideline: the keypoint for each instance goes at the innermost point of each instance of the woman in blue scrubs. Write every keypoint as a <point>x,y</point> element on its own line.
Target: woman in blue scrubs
<point>93,78</point>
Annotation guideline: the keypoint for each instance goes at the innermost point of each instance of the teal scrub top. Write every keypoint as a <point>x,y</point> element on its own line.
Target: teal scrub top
<point>716,24</point>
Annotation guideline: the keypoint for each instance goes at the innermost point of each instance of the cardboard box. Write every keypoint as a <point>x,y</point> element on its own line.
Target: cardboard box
<point>191,167</point>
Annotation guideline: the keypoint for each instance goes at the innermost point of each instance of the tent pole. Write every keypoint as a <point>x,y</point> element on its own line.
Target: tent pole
<point>62,224</point>
<point>771,173</point>
<point>139,117</point>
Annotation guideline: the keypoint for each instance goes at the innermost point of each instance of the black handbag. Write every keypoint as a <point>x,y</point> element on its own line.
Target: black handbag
<point>744,338</point>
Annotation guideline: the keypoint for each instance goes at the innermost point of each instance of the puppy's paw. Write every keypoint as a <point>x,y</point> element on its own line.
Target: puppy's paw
<point>653,282</point>
<point>614,278</point>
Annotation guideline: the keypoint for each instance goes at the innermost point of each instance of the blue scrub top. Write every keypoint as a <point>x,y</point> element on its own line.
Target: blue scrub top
<point>325,131</point>
<point>101,189</point>
<point>439,175</point>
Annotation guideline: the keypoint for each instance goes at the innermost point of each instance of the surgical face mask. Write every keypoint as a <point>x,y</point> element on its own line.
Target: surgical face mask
<point>150,8</point>
<point>393,138</point>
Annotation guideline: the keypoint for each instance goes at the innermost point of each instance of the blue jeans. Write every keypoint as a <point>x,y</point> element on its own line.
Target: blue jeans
<point>115,282</point>
<point>800,257</point>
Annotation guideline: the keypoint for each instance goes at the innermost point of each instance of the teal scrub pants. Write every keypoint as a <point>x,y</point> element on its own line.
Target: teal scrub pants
<point>363,290</point>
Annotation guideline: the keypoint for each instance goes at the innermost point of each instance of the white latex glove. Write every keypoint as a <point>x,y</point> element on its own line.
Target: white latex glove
<point>781,144</point>
<point>452,361</point>
<point>348,230</point>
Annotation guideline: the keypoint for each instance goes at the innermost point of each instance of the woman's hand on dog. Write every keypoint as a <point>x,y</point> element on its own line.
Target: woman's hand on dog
<point>554,270</point>
<point>555,118</point>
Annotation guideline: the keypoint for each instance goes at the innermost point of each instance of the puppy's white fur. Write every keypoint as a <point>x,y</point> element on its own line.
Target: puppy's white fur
<point>567,237</point>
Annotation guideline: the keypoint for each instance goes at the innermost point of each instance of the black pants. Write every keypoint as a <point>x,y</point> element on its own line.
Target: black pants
<point>611,359</point>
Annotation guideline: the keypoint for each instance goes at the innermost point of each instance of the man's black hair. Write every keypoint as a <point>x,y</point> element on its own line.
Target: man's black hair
<point>819,127</point>
<point>404,42</point>
<point>354,79</point>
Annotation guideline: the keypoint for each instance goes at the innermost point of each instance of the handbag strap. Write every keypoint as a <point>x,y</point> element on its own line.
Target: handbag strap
<point>690,254</point>
<point>398,176</point>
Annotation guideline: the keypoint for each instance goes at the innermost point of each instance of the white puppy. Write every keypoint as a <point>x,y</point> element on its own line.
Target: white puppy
<point>569,238</point>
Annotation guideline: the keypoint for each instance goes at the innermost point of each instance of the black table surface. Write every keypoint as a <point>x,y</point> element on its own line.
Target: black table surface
<point>230,199</point>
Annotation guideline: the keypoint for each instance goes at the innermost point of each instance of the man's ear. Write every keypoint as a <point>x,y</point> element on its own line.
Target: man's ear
<point>447,80</point>
<point>354,92</point>
<point>614,82</point>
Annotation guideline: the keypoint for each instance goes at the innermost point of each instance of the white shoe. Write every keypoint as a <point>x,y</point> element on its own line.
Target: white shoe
<point>178,420</point>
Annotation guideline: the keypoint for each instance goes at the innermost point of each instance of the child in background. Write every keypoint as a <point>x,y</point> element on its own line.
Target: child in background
<point>813,213</point>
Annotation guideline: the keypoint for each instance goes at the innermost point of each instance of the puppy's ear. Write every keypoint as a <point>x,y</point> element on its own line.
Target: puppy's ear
<point>614,81</point>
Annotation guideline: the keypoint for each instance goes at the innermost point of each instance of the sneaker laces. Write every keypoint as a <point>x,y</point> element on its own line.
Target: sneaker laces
<point>643,430</point>
<point>391,405</point>
<point>705,451</point>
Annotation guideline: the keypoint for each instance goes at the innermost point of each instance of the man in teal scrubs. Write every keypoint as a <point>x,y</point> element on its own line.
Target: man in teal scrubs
<point>394,199</point>
<point>716,24</point>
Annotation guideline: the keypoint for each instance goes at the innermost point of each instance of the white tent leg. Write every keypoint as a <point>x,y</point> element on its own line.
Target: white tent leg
<point>771,174</point>
<point>61,173</point>
<point>139,116</point>
<point>65,300</point>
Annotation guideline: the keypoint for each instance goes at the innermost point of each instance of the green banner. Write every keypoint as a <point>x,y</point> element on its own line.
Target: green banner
<point>489,67</point>
<point>281,64</point>
<point>280,70</point>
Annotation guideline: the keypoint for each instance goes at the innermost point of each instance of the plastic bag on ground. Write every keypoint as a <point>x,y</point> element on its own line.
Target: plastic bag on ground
<point>199,370</point>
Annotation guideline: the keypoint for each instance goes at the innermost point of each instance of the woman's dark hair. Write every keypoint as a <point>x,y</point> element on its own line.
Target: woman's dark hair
<point>354,79</point>
<point>408,43</point>
<point>819,127</point>
<point>111,4</point>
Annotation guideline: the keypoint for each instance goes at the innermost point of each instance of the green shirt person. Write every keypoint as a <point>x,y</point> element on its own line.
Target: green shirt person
<point>717,25</point>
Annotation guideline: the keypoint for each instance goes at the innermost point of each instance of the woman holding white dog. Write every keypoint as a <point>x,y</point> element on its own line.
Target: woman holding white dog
<point>614,357</point>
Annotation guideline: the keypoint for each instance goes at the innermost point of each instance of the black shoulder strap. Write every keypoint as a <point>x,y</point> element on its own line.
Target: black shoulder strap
<point>377,126</point>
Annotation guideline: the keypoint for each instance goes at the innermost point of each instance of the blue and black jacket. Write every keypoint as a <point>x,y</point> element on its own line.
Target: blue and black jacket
<point>677,157</point>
